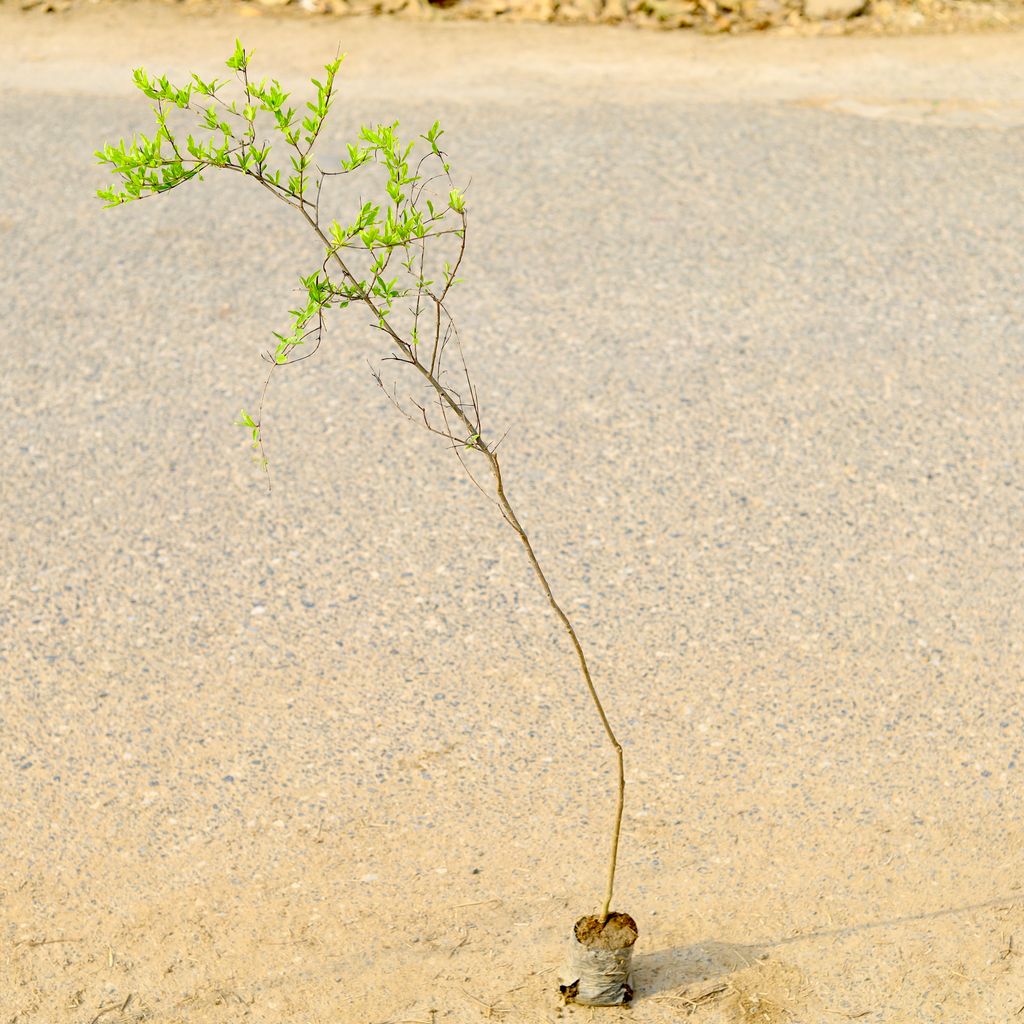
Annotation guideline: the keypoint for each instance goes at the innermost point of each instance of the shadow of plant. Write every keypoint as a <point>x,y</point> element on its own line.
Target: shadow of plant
<point>694,969</point>
<point>699,973</point>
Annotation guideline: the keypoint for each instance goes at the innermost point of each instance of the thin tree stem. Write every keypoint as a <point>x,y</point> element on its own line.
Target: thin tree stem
<point>513,521</point>
<point>451,402</point>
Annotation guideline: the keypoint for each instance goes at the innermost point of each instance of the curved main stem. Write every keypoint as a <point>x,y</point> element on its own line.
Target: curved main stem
<point>513,521</point>
<point>450,401</point>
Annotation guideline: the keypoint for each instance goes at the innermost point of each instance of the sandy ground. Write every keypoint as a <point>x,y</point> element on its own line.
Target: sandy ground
<point>753,311</point>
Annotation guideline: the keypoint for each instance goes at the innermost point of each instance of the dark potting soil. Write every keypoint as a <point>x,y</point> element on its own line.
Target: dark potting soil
<point>618,932</point>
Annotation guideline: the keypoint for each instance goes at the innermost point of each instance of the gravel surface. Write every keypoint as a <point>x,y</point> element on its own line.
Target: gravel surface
<point>753,313</point>
<point>710,17</point>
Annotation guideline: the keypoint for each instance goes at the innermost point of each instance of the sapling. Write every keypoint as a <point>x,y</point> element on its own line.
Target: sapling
<point>396,257</point>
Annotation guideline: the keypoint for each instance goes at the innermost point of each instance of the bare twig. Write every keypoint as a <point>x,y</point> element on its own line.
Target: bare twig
<point>43,942</point>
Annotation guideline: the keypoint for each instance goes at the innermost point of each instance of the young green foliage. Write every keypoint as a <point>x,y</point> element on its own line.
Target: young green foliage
<point>385,241</point>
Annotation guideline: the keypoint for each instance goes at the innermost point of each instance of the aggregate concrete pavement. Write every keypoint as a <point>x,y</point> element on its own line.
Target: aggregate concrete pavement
<point>752,310</point>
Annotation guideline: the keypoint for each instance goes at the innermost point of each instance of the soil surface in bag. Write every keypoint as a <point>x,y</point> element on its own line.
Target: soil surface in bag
<point>618,932</point>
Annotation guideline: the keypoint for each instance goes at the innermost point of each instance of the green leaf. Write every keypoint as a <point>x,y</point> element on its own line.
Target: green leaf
<point>239,59</point>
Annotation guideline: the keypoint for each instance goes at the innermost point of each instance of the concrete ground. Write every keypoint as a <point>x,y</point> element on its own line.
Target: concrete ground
<point>752,309</point>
